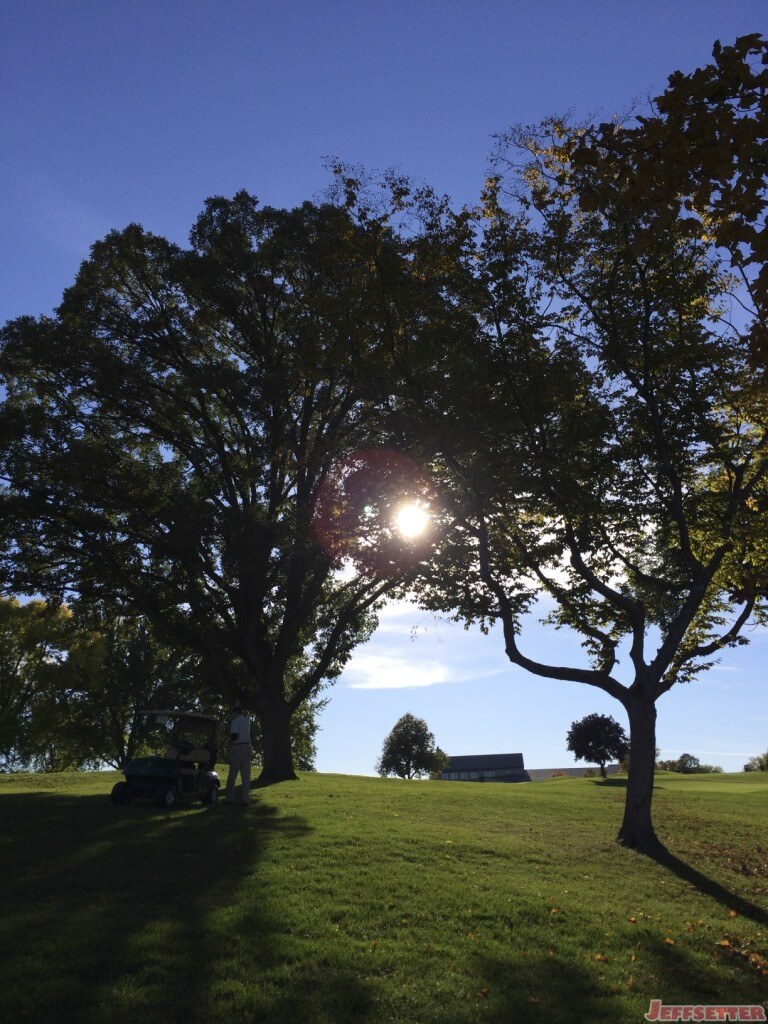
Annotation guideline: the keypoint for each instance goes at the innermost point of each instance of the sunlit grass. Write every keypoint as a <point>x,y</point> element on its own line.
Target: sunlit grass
<point>340,899</point>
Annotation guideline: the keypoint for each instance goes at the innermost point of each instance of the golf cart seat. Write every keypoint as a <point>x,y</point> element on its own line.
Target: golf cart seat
<point>196,754</point>
<point>193,756</point>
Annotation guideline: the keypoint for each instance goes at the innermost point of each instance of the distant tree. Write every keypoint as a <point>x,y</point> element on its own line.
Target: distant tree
<point>34,640</point>
<point>687,764</point>
<point>409,751</point>
<point>439,763</point>
<point>597,739</point>
<point>759,763</point>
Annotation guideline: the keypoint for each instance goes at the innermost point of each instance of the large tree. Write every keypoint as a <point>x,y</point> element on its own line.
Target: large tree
<point>189,434</point>
<point>596,429</point>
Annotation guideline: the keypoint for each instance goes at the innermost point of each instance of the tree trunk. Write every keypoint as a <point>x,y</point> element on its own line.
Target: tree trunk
<point>276,740</point>
<point>637,831</point>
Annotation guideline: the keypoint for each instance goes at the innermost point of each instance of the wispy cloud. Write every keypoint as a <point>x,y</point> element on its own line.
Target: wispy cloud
<point>714,753</point>
<point>390,672</point>
<point>398,672</point>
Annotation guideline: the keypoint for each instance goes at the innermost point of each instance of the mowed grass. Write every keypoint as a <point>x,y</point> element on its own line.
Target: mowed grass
<point>340,899</point>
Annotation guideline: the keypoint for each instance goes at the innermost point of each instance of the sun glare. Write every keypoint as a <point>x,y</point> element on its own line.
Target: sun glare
<point>411,521</point>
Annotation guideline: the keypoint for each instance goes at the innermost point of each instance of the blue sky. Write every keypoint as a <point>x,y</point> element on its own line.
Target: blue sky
<point>112,112</point>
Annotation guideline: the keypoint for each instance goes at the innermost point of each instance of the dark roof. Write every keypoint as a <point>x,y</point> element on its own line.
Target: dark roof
<point>485,762</point>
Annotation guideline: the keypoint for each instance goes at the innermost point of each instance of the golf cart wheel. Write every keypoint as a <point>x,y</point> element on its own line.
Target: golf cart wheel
<point>165,796</point>
<point>121,793</point>
<point>211,795</point>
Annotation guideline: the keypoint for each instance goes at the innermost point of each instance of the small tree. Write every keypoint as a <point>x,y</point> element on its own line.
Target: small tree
<point>409,751</point>
<point>688,764</point>
<point>597,738</point>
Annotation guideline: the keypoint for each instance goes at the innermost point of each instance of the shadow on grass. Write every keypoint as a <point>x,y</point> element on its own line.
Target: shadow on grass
<point>557,989</point>
<point>550,989</point>
<point>610,783</point>
<point>115,913</point>
<point>708,887</point>
<point>704,885</point>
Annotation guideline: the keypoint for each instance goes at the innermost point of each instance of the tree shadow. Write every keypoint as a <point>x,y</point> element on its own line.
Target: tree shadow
<point>709,887</point>
<point>120,912</point>
<point>558,989</point>
<point>543,989</point>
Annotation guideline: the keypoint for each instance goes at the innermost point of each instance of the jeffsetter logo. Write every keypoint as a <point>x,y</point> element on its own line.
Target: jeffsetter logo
<point>671,1011</point>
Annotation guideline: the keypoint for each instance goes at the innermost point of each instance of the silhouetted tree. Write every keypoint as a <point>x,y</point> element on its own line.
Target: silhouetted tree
<point>597,739</point>
<point>190,435</point>
<point>593,420</point>
<point>696,158</point>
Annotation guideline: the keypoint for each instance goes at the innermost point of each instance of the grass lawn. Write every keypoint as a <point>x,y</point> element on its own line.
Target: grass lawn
<point>337,899</point>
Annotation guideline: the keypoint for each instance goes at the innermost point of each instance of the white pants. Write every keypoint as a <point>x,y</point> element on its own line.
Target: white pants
<point>239,764</point>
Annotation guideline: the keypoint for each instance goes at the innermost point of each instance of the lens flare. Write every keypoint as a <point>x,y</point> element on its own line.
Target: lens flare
<point>411,521</point>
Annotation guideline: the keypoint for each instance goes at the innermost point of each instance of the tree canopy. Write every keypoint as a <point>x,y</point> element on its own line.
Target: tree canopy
<point>409,750</point>
<point>174,432</point>
<point>597,739</point>
<point>697,161</point>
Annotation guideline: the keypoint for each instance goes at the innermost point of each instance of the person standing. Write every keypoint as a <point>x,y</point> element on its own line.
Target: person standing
<point>240,756</point>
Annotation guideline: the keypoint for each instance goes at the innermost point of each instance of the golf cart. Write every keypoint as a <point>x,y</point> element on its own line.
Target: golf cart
<point>182,767</point>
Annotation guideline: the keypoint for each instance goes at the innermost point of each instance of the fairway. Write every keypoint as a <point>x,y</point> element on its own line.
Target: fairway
<point>342,899</point>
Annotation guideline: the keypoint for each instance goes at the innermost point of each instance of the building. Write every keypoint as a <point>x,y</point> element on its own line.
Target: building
<point>486,768</point>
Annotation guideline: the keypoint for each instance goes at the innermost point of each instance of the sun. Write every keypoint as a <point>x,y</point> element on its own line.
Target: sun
<point>411,521</point>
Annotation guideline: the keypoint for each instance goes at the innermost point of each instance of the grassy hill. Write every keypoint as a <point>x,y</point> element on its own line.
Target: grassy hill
<point>337,899</point>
